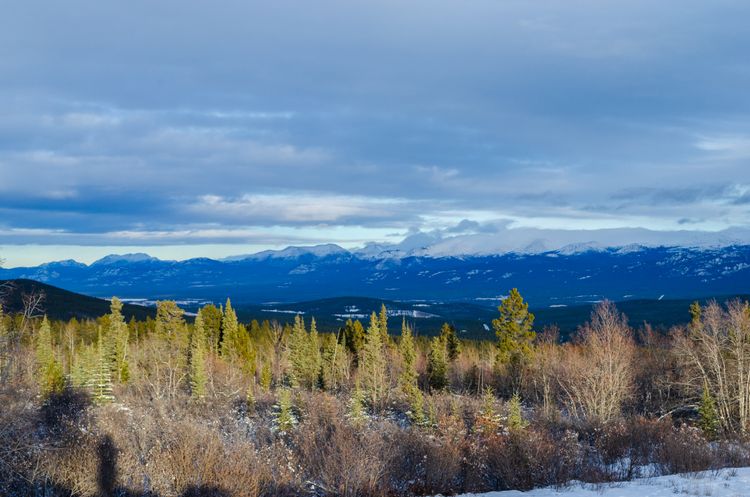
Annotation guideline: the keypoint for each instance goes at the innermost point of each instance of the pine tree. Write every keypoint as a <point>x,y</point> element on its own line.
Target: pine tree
<point>515,336</point>
<point>373,366</point>
<point>709,416</point>
<point>198,376</point>
<point>49,371</point>
<point>285,419</point>
<point>229,332</point>
<point>437,364</point>
<point>118,334</point>
<point>408,380</point>
<point>452,342</point>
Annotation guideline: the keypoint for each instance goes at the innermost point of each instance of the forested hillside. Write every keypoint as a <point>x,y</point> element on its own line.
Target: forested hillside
<point>217,406</point>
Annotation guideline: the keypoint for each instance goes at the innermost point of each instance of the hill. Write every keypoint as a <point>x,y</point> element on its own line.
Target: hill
<point>472,320</point>
<point>63,304</point>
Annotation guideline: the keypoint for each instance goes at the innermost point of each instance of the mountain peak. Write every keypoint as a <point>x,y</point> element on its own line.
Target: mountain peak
<point>292,252</point>
<point>123,258</point>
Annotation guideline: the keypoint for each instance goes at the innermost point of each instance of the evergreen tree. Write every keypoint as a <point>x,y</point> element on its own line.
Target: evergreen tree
<point>515,414</point>
<point>266,376</point>
<point>101,377</point>
<point>285,419</point>
<point>170,323</point>
<point>49,371</point>
<point>298,353</point>
<point>409,377</point>
<point>212,317</point>
<point>452,342</point>
<point>84,367</point>
<point>515,336</point>
<point>383,324</point>
<point>4,345</point>
<point>229,332</point>
<point>373,365</point>
<point>357,411</point>
<point>118,334</point>
<point>171,348</point>
<point>314,362</point>
<point>487,421</point>
<point>437,364</point>
<point>335,366</point>
<point>695,315</point>
<point>709,415</point>
<point>353,336</point>
<point>198,376</point>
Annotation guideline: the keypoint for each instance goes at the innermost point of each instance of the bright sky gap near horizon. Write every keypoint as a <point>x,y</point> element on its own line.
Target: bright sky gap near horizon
<point>196,129</point>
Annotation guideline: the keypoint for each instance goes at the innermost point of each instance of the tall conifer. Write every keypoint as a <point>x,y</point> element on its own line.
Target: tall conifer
<point>373,365</point>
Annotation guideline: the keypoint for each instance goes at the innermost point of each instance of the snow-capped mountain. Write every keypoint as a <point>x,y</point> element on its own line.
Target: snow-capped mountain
<point>291,253</point>
<point>574,273</point>
<point>123,259</point>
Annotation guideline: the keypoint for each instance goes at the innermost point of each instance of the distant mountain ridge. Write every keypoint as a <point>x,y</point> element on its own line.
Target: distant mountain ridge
<point>575,274</point>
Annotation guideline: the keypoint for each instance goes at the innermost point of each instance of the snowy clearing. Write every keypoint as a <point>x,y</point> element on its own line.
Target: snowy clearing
<point>732,482</point>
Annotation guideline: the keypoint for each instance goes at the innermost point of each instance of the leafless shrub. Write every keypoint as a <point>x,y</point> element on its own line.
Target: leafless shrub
<point>596,374</point>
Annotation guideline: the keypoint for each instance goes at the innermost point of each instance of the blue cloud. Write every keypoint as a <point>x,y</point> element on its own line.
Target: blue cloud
<point>391,115</point>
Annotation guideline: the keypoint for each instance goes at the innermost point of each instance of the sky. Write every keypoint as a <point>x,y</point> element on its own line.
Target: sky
<point>188,129</point>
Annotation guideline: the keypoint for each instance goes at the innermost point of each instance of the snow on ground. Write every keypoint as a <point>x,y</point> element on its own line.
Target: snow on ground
<point>724,483</point>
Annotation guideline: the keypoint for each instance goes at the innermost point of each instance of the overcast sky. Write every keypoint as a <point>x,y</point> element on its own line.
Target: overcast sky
<point>215,128</point>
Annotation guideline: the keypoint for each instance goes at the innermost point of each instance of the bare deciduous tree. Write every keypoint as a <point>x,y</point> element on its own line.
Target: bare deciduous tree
<point>596,373</point>
<point>715,349</point>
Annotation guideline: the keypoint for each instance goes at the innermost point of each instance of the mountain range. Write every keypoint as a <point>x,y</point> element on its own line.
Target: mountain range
<point>573,274</point>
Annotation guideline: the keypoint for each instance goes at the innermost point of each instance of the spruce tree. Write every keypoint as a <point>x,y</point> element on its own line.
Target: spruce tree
<point>515,414</point>
<point>357,411</point>
<point>49,371</point>
<point>408,380</point>
<point>313,370</point>
<point>198,376</point>
<point>373,365</point>
<point>229,332</point>
<point>383,324</point>
<point>709,421</point>
<point>437,364</point>
<point>118,335</point>
<point>298,352</point>
<point>452,342</point>
<point>353,335</point>
<point>284,417</point>
<point>487,421</point>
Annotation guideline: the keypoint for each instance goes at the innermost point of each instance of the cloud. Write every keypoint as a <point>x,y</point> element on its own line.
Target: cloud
<point>264,117</point>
